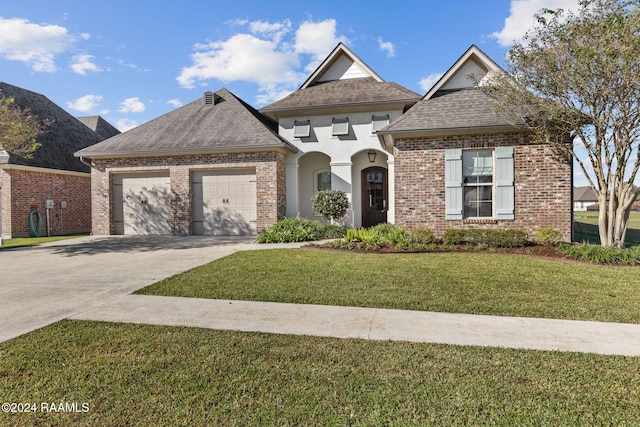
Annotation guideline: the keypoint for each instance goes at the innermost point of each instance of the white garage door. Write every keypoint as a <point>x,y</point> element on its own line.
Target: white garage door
<point>142,204</point>
<point>224,203</point>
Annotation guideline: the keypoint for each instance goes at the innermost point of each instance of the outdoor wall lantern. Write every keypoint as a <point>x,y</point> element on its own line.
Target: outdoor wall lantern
<point>372,155</point>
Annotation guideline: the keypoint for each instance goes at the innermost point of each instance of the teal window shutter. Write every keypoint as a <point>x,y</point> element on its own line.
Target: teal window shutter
<point>453,183</point>
<point>505,189</point>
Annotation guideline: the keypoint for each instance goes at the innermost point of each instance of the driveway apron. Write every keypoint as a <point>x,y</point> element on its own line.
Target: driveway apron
<point>44,284</point>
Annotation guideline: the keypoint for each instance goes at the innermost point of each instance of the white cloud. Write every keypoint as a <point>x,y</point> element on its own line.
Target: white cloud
<point>82,63</point>
<point>317,39</point>
<point>428,82</point>
<point>86,103</point>
<point>35,45</point>
<point>522,18</point>
<point>274,32</point>
<point>175,102</point>
<point>242,57</point>
<point>124,125</point>
<point>268,54</point>
<point>132,105</point>
<point>388,47</point>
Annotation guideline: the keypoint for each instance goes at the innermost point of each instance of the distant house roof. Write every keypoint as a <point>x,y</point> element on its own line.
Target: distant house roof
<point>61,139</point>
<point>99,126</point>
<point>584,194</point>
<point>217,122</point>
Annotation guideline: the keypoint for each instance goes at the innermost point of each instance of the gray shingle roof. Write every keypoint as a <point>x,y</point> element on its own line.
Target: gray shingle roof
<point>65,135</point>
<point>584,194</point>
<point>229,124</point>
<point>450,110</point>
<point>99,126</point>
<point>363,90</point>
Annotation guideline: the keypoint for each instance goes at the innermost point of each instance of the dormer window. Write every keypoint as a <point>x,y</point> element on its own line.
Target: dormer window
<point>301,128</point>
<point>378,122</point>
<point>340,126</point>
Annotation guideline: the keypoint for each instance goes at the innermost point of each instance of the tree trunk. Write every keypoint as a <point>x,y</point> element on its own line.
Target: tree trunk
<point>603,220</point>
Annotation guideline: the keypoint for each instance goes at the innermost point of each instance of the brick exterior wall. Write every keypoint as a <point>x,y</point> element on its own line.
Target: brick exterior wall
<point>26,189</point>
<point>543,183</point>
<point>270,184</point>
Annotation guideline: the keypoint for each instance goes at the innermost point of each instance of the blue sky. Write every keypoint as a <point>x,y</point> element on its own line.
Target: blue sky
<point>133,61</point>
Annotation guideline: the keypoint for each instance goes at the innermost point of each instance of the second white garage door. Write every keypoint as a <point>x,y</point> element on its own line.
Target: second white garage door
<point>224,203</point>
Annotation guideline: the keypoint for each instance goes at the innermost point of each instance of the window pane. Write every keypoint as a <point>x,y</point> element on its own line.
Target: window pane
<point>341,126</point>
<point>324,181</point>
<point>477,166</point>
<point>378,122</point>
<point>478,202</point>
<point>301,128</point>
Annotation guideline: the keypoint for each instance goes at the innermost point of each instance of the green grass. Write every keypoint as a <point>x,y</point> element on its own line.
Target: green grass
<point>33,241</point>
<point>149,375</point>
<point>585,228</point>
<point>477,283</point>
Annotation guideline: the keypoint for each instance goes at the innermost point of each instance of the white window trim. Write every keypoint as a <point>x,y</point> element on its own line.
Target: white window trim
<point>492,184</point>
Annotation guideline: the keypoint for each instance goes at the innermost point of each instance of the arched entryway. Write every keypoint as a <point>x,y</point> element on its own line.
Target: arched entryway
<point>375,192</point>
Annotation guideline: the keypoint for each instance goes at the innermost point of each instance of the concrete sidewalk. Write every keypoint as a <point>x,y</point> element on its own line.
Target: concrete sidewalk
<point>372,323</point>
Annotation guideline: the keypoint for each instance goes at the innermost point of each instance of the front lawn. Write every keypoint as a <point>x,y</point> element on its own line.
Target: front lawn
<point>476,283</point>
<point>125,375</point>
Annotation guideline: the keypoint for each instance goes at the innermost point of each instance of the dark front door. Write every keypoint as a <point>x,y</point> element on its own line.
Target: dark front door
<point>374,196</point>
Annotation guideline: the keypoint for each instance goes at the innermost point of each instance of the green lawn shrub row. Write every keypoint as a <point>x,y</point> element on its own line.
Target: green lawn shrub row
<point>597,254</point>
<point>299,230</point>
<point>484,237</point>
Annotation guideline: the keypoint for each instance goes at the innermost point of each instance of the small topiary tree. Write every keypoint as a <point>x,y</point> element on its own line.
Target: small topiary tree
<point>332,205</point>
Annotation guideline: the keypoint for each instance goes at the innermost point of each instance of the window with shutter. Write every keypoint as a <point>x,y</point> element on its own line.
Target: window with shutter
<point>479,183</point>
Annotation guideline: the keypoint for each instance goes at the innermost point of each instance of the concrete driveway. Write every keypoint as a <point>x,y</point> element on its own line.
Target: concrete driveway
<point>44,284</point>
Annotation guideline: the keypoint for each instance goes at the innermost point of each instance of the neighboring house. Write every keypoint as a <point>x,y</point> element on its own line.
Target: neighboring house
<point>53,173</point>
<point>583,197</point>
<point>445,160</point>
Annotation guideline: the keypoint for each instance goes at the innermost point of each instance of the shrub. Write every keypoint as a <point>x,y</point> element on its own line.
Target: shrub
<point>548,236</point>
<point>299,230</point>
<point>422,236</point>
<point>603,255</point>
<point>330,204</point>
<point>365,235</point>
<point>486,237</point>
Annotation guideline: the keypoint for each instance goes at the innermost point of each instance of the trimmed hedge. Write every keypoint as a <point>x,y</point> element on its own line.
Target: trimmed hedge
<point>486,237</point>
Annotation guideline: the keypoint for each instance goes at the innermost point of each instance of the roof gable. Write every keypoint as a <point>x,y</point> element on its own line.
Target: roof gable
<point>218,122</point>
<point>341,64</point>
<point>474,65</point>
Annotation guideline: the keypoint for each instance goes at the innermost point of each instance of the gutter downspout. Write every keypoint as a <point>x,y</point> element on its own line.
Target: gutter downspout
<point>85,162</point>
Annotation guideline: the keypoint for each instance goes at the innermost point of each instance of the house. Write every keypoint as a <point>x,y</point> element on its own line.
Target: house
<point>443,160</point>
<point>52,174</point>
<point>583,197</point>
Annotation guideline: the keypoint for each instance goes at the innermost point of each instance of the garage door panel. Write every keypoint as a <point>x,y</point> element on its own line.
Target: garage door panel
<point>142,204</point>
<point>224,203</point>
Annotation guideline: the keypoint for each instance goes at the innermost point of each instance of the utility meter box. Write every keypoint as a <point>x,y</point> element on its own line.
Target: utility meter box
<point>63,204</point>
<point>48,204</point>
